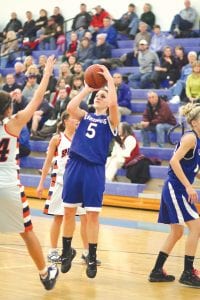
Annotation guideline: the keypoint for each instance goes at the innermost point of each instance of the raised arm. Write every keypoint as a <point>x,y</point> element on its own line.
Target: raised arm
<point>22,117</point>
<point>73,106</point>
<point>112,96</point>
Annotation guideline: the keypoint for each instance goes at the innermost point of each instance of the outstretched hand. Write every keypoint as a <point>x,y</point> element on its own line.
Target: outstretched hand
<point>50,64</point>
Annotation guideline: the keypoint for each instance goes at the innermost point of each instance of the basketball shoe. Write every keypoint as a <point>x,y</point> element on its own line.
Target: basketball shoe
<point>54,257</point>
<point>190,278</point>
<point>50,280</point>
<point>85,258</point>
<point>66,262</point>
<point>91,270</point>
<point>160,276</point>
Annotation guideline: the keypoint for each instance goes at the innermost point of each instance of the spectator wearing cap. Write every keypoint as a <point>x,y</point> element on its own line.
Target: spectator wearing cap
<point>110,30</point>
<point>147,61</point>
<point>143,34</point>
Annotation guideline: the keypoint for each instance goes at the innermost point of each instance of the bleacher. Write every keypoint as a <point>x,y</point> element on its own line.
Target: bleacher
<point>120,193</point>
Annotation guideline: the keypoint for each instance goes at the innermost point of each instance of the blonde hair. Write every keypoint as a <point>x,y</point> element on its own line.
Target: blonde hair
<point>195,64</point>
<point>191,111</point>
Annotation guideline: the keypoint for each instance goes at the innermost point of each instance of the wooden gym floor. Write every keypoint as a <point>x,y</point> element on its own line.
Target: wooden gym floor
<point>128,244</point>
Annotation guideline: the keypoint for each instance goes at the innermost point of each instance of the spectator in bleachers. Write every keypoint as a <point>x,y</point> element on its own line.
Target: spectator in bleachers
<point>64,72</point>
<point>102,50</point>
<point>147,60</point>
<point>28,31</point>
<point>157,118</point>
<point>10,84</point>
<point>60,39</point>
<point>41,66</point>
<point>97,20</point>
<point>126,22</point>
<point>19,101</point>
<point>143,34</point>
<point>41,22</point>
<point>81,21</point>
<point>176,91</point>
<point>193,83</point>
<point>61,84</point>
<point>20,77</point>
<point>167,71</point>
<point>30,87</point>
<point>47,39</point>
<point>28,61</point>
<point>76,85</point>
<point>78,69</point>
<point>85,52</point>
<point>158,40</point>
<point>13,25</point>
<point>88,35</point>
<point>110,30</point>
<point>8,49</point>
<point>61,103</point>
<point>72,59</point>
<point>180,58</point>
<point>148,16</point>
<point>58,17</point>
<point>123,95</point>
<point>184,21</point>
<point>40,116</point>
<point>72,46</point>
<point>124,150</point>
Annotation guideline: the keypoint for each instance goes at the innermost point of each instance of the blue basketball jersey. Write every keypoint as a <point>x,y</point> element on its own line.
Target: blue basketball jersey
<point>190,165</point>
<point>92,138</point>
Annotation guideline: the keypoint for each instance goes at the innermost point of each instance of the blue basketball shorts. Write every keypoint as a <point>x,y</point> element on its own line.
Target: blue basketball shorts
<point>175,208</point>
<point>83,184</point>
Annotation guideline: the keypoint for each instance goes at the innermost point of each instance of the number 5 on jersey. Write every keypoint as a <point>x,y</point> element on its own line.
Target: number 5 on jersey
<point>91,130</point>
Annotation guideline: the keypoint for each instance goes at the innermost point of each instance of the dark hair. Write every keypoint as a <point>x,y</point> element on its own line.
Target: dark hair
<point>132,5</point>
<point>126,129</point>
<point>5,103</point>
<point>61,124</point>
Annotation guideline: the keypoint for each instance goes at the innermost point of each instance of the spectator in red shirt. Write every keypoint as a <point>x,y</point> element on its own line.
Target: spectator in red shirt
<point>97,19</point>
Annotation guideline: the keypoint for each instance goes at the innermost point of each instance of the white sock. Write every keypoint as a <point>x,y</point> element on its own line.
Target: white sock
<point>85,252</point>
<point>52,250</point>
<point>44,272</point>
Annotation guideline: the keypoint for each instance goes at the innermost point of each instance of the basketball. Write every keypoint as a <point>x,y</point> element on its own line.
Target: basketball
<point>93,78</point>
